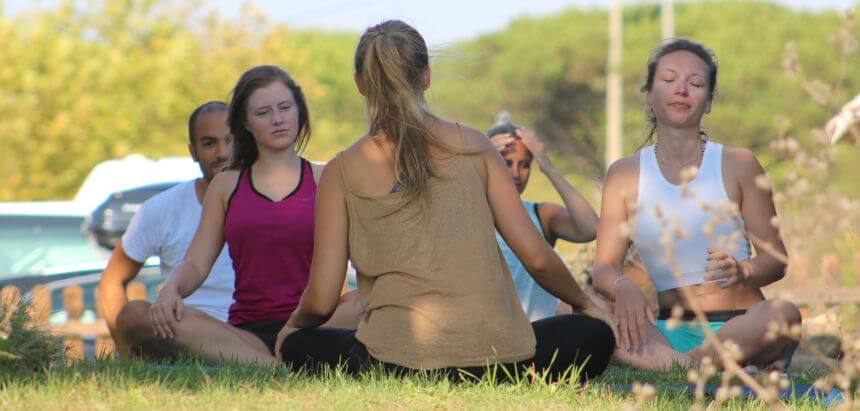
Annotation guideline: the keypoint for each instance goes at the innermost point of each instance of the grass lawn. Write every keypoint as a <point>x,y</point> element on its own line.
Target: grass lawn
<point>137,385</point>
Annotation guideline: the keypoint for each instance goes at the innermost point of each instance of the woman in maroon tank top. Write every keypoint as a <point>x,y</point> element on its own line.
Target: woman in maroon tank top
<point>263,207</point>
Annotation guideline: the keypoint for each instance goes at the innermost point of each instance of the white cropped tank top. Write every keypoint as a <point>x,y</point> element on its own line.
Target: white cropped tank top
<point>698,212</point>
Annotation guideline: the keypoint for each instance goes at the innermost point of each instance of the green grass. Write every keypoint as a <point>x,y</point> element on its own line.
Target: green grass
<point>136,385</point>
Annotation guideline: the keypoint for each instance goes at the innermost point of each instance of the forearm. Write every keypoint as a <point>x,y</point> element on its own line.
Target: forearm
<point>112,297</point>
<point>604,278</point>
<point>581,213</point>
<point>762,270</point>
<point>186,278</point>
<point>306,319</point>
<point>558,281</point>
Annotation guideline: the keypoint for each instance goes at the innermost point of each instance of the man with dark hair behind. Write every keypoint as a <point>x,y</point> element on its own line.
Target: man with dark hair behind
<point>164,226</point>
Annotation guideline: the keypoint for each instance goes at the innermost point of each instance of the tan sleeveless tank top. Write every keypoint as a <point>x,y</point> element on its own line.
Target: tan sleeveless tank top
<point>434,284</point>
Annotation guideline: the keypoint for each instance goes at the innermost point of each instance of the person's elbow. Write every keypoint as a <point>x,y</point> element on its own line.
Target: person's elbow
<point>776,275</point>
<point>111,279</point>
<point>589,227</point>
<point>590,234</point>
<point>780,265</point>
<point>538,263</point>
<point>583,235</point>
<point>783,263</point>
<point>780,271</point>
<point>109,287</point>
<point>779,275</point>
<point>119,271</point>
<point>320,310</point>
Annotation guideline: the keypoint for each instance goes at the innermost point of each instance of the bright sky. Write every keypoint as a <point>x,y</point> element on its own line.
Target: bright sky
<point>440,21</point>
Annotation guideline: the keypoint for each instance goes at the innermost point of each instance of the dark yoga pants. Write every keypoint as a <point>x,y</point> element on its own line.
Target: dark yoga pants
<point>562,342</point>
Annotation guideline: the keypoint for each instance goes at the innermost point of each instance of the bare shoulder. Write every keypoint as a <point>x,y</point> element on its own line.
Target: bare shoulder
<point>741,161</point>
<point>366,164</point>
<point>622,179</point>
<point>624,169</point>
<point>473,142</point>
<point>224,182</point>
<point>325,174</point>
<point>480,150</point>
<point>222,186</point>
<point>366,147</point>
<point>473,139</point>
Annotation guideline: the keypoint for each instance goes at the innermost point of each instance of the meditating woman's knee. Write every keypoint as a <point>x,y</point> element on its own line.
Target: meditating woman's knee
<point>601,341</point>
<point>132,318</point>
<point>785,313</point>
<point>135,337</point>
<point>788,311</point>
<point>568,340</point>
<point>780,311</point>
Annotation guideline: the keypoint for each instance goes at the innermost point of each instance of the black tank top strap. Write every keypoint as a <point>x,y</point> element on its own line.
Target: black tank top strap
<point>235,189</point>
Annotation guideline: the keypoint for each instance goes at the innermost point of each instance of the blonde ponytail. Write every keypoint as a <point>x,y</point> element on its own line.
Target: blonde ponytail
<point>391,60</point>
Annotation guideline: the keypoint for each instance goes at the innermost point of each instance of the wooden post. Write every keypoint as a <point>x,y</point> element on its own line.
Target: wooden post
<point>10,296</point>
<point>831,268</point>
<point>667,20</point>
<point>73,303</point>
<point>40,306</point>
<point>799,267</point>
<point>105,347</point>
<point>614,93</point>
<point>857,265</point>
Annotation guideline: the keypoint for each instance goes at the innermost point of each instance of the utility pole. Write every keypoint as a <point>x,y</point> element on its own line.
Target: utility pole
<point>668,20</point>
<point>613,86</point>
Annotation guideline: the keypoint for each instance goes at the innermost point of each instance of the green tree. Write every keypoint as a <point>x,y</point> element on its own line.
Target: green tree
<point>85,82</point>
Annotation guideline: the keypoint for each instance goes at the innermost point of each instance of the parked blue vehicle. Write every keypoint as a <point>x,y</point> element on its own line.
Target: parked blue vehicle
<point>35,244</point>
<point>56,245</point>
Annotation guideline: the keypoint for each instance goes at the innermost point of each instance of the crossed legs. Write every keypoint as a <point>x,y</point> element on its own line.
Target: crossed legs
<point>748,331</point>
<point>201,334</point>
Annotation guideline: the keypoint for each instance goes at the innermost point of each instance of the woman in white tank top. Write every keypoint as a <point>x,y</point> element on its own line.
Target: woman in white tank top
<point>690,207</point>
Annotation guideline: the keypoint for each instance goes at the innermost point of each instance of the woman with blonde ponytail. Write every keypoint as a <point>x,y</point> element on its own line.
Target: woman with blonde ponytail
<point>415,204</point>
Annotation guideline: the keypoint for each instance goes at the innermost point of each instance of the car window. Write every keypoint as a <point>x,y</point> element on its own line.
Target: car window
<point>31,244</point>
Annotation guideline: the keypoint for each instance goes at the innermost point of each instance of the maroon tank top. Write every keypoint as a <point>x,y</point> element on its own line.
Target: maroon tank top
<point>271,244</point>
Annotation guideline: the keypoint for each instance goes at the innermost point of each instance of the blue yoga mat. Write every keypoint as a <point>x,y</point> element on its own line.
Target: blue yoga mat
<point>204,368</point>
<point>796,391</point>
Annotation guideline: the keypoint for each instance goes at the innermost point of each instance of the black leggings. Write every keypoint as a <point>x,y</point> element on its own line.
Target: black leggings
<point>562,341</point>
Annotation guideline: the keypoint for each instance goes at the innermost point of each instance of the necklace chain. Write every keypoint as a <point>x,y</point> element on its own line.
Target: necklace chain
<point>701,153</point>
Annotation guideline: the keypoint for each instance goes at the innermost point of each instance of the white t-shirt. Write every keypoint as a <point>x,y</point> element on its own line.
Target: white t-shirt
<point>164,226</point>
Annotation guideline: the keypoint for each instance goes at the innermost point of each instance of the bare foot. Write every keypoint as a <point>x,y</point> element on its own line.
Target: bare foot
<point>654,355</point>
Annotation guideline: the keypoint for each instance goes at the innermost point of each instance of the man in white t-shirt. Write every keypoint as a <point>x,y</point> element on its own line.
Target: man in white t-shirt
<point>164,226</point>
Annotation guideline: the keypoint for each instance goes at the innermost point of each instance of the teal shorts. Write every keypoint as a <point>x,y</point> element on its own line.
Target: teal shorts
<point>688,334</point>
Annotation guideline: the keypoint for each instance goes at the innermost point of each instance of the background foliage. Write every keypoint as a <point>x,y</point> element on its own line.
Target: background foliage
<point>89,81</point>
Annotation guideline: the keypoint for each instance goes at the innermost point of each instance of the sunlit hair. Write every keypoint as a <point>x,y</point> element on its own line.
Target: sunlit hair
<point>391,60</point>
<point>504,128</point>
<point>503,125</point>
<point>244,147</point>
<point>706,55</point>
